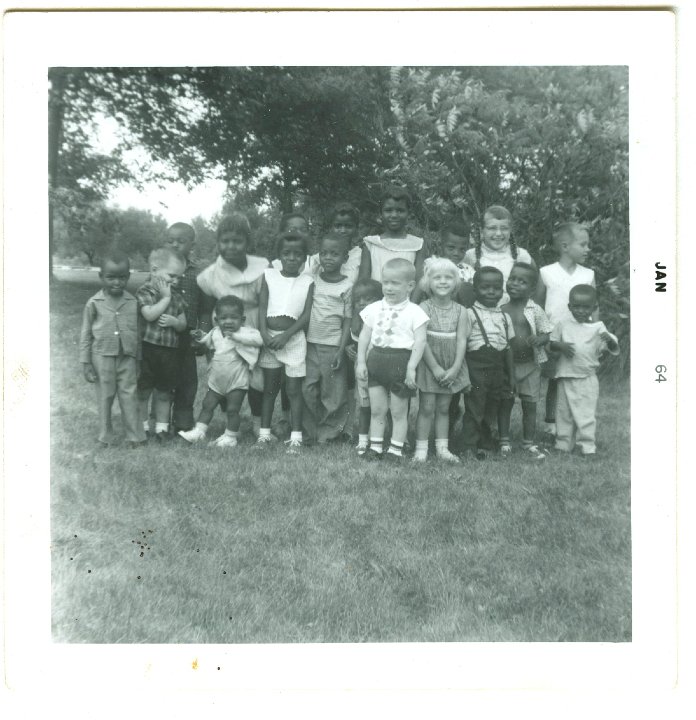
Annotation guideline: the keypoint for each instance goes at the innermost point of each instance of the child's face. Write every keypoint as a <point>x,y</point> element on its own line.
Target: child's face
<point>180,240</point>
<point>298,225</point>
<point>394,215</point>
<point>443,284</point>
<point>292,255</point>
<point>345,226</point>
<point>495,233</point>
<point>114,277</point>
<point>365,299</point>
<point>578,248</point>
<point>332,255</point>
<point>229,319</point>
<point>489,289</point>
<point>170,273</point>
<point>232,247</point>
<point>396,287</point>
<point>454,247</point>
<point>581,308</point>
<point>520,284</point>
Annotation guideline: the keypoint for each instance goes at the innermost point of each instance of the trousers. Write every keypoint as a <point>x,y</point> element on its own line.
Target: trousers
<point>576,408</point>
<point>325,393</point>
<point>116,376</point>
<point>187,385</point>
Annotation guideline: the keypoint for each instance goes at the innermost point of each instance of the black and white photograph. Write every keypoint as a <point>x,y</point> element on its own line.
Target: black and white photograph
<point>340,348</point>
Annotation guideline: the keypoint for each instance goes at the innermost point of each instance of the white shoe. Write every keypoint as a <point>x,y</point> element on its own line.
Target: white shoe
<point>264,439</point>
<point>225,441</point>
<point>447,455</point>
<point>535,452</point>
<point>419,458</point>
<point>293,446</point>
<point>361,448</point>
<point>192,436</point>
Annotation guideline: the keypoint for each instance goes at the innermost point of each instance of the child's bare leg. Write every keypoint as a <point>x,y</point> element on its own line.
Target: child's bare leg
<point>364,415</point>
<point>293,387</point>
<point>210,402</point>
<point>234,405</point>
<point>424,421</point>
<point>442,421</point>
<point>271,385</point>
<point>379,405</point>
<point>399,412</point>
<point>529,413</point>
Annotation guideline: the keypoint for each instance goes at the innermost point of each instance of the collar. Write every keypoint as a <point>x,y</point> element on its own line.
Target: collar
<point>479,306</point>
<point>101,295</point>
<point>398,307</point>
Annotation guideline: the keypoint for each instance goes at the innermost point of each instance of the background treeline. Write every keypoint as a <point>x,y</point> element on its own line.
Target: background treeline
<point>549,143</point>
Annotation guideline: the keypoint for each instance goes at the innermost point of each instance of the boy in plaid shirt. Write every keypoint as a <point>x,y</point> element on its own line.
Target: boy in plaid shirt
<point>162,310</point>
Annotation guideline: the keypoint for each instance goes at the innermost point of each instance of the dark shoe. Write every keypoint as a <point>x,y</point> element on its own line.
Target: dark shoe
<point>135,445</point>
<point>372,455</point>
<point>163,437</point>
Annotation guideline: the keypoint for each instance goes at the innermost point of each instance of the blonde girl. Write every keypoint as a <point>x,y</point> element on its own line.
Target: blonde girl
<point>442,372</point>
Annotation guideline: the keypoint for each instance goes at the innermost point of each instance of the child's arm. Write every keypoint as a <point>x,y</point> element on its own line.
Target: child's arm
<point>345,334</point>
<point>88,371</point>
<point>248,336</point>
<point>153,312</point>
<point>263,309</point>
<point>431,362</point>
<point>610,340</point>
<point>178,322</point>
<point>462,336</point>
<point>363,344</point>
<point>420,335</point>
<point>557,345</point>
<point>365,270</point>
<point>279,341</point>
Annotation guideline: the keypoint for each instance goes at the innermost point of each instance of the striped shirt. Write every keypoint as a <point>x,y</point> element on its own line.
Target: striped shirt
<point>330,306</point>
<point>152,332</point>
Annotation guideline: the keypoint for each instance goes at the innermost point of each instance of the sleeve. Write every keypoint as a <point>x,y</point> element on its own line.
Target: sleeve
<point>86,337</point>
<point>207,340</point>
<point>348,303</point>
<point>367,316</point>
<point>424,306</point>
<point>420,317</point>
<point>249,337</point>
<point>556,334</point>
<point>604,347</point>
<point>542,322</point>
<point>146,295</point>
<point>249,354</point>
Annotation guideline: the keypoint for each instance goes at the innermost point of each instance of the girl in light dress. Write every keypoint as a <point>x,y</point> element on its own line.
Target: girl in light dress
<point>443,371</point>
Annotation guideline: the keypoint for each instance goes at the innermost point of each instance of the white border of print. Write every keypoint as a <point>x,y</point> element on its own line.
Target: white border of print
<point>93,677</point>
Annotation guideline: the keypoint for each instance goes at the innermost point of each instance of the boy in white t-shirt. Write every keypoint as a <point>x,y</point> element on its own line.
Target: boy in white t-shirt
<point>395,328</point>
<point>572,243</point>
<point>581,342</point>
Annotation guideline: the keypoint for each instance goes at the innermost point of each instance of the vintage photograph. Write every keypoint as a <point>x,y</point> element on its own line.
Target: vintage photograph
<point>340,354</point>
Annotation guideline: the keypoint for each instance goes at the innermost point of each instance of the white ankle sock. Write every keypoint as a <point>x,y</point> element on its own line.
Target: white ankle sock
<point>232,433</point>
<point>421,452</point>
<point>161,427</point>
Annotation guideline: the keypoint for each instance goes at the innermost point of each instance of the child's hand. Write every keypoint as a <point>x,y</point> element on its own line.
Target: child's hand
<point>162,286</point>
<point>197,336</point>
<point>165,320</point>
<point>352,353</point>
<point>567,349</point>
<point>537,340</point>
<point>89,372</point>
<point>608,339</point>
<point>410,380</point>
<point>438,374</point>
<point>336,362</point>
<point>277,342</point>
<point>361,371</point>
<point>448,377</point>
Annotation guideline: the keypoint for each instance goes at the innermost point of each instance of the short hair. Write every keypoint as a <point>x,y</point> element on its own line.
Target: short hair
<point>567,231</point>
<point>344,208</point>
<point>115,256</point>
<point>457,226</point>
<point>487,270</point>
<point>291,236</point>
<point>229,301</point>
<point>395,192</point>
<point>185,227</point>
<point>438,265</point>
<point>234,222</point>
<point>498,212</point>
<point>336,237</point>
<point>287,217</point>
<point>371,288</point>
<point>528,267</point>
<point>584,291</point>
<point>401,265</point>
<point>162,257</point>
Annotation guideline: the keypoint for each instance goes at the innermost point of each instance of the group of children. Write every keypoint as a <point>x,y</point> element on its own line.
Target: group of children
<point>373,314</point>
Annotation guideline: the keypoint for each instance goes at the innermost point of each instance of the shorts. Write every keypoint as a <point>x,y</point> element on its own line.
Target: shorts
<point>528,381</point>
<point>386,367</point>
<point>292,356</point>
<point>160,368</point>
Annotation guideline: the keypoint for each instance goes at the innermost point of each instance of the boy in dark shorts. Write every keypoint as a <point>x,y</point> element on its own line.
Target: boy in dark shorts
<point>162,310</point>
<point>395,328</point>
<point>532,328</point>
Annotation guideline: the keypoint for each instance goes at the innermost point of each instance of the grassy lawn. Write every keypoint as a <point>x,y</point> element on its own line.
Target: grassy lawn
<point>199,545</point>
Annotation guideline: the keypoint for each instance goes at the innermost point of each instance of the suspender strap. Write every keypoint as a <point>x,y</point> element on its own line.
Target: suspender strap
<point>483,331</point>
